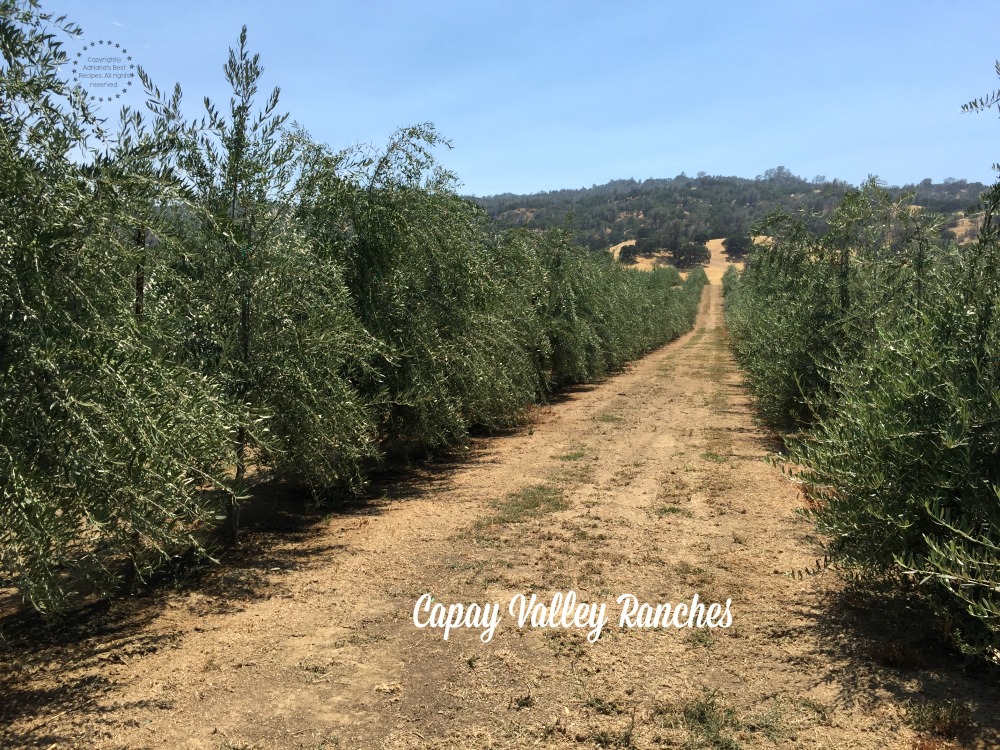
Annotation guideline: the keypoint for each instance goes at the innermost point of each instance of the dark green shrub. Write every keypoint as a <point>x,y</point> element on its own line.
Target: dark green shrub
<point>443,295</point>
<point>730,280</point>
<point>886,345</point>
<point>265,313</point>
<point>107,446</point>
<point>905,464</point>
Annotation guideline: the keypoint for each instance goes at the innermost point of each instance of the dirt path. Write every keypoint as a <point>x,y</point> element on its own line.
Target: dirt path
<point>653,483</point>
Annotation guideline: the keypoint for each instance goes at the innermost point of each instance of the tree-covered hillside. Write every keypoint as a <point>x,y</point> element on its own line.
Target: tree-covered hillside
<point>670,212</point>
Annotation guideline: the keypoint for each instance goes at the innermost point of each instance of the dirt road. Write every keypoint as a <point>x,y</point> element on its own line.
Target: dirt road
<point>653,483</point>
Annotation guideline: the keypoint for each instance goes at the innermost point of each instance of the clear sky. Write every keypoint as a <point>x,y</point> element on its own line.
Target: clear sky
<point>552,94</point>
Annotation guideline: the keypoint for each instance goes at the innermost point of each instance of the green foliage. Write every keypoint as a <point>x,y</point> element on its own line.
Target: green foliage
<point>268,313</point>
<point>628,254</point>
<point>730,280</point>
<point>474,324</point>
<point>806,302</point>
<point>527,504</point>
<point>600,314</point>
<point>447,299</point>
<point>691,254</point>
<point>106,445</point>
<point>886,345</point>
<point>948,718</point>
<point>775,326</point>
<point>737,246</point>
<point>984,103</point>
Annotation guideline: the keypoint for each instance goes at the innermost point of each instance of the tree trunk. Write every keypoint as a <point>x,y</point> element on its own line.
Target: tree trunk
<point>233,511</point>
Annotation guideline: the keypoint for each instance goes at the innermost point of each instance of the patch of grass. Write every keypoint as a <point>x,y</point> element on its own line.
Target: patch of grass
<point>701,638</point>
<point>666,370</point>
<point>313,668</point>
<point>531,502</point>
<point>572,456</point>
<point>591,568</point>
<point>610,418</point>
<point>943,718</point>
<point>602,706</point>
<point>673,510</point>
<point>767,723</point>
<point>695,338</point>
<point>622,738</point>
<point>557,580</point>
<point>711,722</point>
<point>715,370</point>
<point>610,738</point>
<point>564,644</point>
<point>624,476</point>
<point>359,639</point>
<point>573,473</point>
<point>556,728</point>
<point>719,448</point>
<point>822,711</point>
<point>486,539</point>
<point>693,575</point>
<point>463,565</point>
<point>717,401</point>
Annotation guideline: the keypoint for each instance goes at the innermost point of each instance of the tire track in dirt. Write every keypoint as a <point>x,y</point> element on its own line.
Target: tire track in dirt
<point>652,483</point>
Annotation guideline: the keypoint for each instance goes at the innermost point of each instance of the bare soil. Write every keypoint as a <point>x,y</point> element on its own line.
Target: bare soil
<point>967,228</point>
<point>655,483</point>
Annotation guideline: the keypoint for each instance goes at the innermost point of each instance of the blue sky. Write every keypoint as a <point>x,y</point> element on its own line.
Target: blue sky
<point>546,95</point>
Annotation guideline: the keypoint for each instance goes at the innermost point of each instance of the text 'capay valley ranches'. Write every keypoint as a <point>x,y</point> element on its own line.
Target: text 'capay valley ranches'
<point>566,611</point>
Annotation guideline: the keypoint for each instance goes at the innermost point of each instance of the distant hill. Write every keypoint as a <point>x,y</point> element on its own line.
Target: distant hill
<point>681,209</point>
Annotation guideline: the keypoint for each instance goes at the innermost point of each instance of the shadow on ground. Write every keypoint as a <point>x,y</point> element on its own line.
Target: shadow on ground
<point>54,668</point>
<point>882,640</point>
